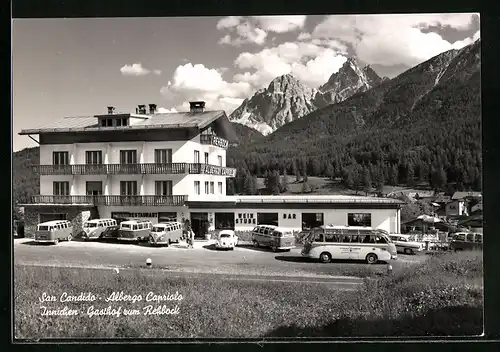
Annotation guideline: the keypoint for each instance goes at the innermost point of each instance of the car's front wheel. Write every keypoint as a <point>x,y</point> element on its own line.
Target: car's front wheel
<point>408,251</point>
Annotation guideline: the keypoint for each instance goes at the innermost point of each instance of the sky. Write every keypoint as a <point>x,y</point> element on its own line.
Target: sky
<point>78,67</point>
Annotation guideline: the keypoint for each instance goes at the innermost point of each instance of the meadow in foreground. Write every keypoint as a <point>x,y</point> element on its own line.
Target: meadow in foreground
<point>443,296</point>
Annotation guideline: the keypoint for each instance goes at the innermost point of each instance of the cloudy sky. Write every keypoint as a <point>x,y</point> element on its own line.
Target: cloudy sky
<point>73,67</point>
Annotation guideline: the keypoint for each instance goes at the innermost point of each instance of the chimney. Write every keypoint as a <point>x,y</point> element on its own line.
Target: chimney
<point>197,106</point>
<point>152,109</point>
<point>137,110</point>
<point>111,110</point>
<point>142,109</point>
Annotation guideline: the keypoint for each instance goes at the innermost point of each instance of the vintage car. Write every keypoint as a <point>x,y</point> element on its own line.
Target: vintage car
<point>404,245</point>
<point>466,241</point>
<point>226,239</point>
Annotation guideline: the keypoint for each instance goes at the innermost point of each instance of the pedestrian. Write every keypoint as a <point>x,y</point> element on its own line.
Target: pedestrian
<point>191,235</point>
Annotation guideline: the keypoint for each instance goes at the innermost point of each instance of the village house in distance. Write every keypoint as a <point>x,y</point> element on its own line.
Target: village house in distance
<point>170,167</point>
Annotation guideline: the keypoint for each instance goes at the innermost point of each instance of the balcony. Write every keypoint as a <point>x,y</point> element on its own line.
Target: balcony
<point>111,169</point>
<point>150,200</point>
<point>212,139</point>
<point>208,169</point>
<point>134,169</point>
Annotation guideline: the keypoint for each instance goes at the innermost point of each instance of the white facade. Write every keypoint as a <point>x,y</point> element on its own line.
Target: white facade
<point>385,219</point>
<point>182,152</point>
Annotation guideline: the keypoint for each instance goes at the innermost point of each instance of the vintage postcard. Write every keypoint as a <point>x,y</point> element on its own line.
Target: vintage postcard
<point>247,177</point>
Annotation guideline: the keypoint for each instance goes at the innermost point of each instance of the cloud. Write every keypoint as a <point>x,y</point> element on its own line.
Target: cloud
<point>254,29</point>
<point>197,82</point>
<point>165,111</point>
<point>245,33</point>
<point>394,39</point>
<point>280,24</point>
<point>311,63</point>
<point>228,22</point>
<point>137,70</point>
<point>304,36</point>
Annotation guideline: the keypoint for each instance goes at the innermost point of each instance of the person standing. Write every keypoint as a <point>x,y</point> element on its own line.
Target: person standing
<point>191,238</point>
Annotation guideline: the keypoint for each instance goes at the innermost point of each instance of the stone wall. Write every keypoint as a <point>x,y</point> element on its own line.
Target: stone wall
<point>77,215</point>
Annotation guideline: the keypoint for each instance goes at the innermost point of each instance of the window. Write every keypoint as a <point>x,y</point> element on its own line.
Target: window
<point>167,216</point>
<point>106,122</point>
<point>219,185</point>
<point>94,188</point>
<point>124,121</point>
<point>206,187</point>
<point>197,187</point>
<point>312,220</point>
<point>224,221</point>
<point>163,156</point>
<point>196,157</point>
<point>470,237</point>
<point>219,158</point>
<point>479,238</point>
<point>267,219</point>
<point>330,237</point>
<point>163,188</point>
<point>212,190</point>
<point>60,158</point>
<point>128,156</point>
<point>359,219</point>
<point>118,122</point>
<point>206,158</point>
<point>61,188</point>
<point>93,157</point>
<point>128,188</point>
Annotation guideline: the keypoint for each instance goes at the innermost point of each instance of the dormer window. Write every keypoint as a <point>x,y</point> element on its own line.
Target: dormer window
<point>115,122</point>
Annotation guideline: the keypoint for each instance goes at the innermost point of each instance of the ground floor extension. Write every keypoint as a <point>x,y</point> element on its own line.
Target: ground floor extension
<point>241,214</point>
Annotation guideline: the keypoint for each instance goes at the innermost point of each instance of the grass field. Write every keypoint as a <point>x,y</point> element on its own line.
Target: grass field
<point>444,296</point>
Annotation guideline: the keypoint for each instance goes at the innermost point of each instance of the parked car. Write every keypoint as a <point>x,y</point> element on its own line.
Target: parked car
<point>226,239</point>
<point>404,245</point>
<point>467,241</point>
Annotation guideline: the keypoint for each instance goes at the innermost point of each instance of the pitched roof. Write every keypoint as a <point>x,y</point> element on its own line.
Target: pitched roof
<point>155,121</point>
<point>462,195</point>
<point>442,199</point>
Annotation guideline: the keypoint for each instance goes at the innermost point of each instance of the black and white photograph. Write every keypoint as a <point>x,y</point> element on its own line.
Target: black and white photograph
<point>256,177</point>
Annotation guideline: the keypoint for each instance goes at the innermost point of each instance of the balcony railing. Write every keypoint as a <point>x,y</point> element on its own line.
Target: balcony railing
<point>214,140</point>
<point>111,169</point>
<point>134,169</point>
<point>149,200</point>
<point>208,169</point>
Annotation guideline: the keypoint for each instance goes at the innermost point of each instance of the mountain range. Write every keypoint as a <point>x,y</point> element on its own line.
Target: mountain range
<point>286,99</point>
<point>425,121</point>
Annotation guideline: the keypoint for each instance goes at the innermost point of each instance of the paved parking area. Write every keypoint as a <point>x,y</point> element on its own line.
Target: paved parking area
<point>243,260</point>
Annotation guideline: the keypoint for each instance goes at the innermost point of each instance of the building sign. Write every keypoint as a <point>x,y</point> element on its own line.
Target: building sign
<point>219,142</point>
<point>134,215</point>
<point>245,218</point>
<point>289,216</point>
<point>217,170</point>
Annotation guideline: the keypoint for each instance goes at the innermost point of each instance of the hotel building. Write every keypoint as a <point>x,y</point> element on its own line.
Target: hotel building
<point>169,167</point>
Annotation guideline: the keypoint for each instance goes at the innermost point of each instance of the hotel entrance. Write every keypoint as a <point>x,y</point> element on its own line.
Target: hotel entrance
<point>199,224</point>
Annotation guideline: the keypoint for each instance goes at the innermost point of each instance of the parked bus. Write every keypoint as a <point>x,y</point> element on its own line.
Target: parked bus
<point>346,242</point>
<point>165,233</point>
<point>274,237</point>
<point>97,228</point>
<point>54,231</point>
<point>467,241</point>
<point>135,230</point>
